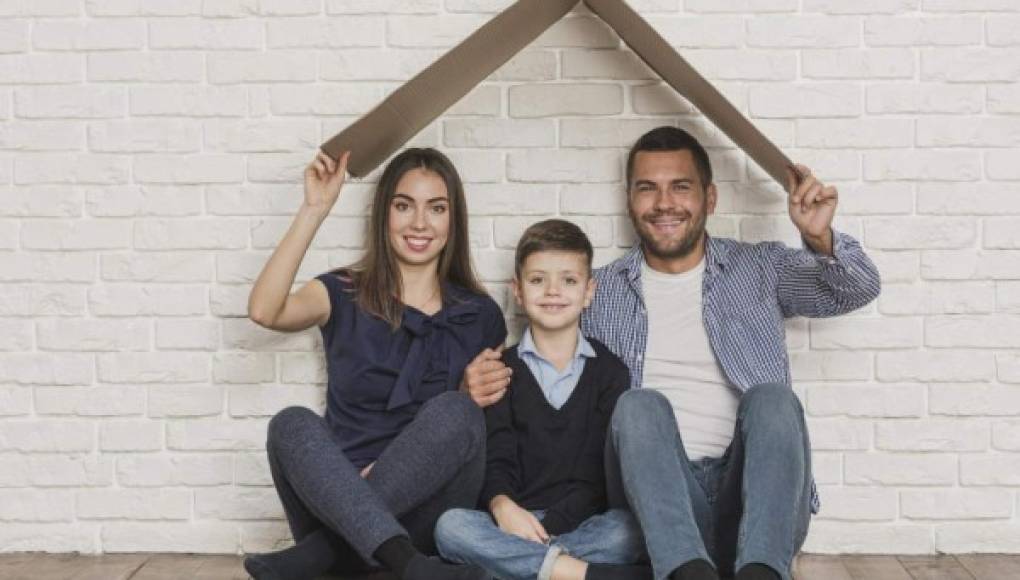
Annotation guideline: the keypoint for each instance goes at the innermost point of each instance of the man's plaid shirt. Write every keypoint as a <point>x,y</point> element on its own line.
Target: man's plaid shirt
<point>749,289</point>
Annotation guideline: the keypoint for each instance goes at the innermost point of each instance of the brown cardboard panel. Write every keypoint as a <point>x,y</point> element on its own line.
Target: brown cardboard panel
<point>664,60</point>
<point>374,137</point>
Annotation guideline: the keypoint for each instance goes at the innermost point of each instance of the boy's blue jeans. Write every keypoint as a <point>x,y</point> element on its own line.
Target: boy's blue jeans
<point>752,505</point>
<point>470,536</point>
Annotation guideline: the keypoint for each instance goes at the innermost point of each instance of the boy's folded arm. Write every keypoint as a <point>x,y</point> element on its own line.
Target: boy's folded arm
<point>610,394</point>
<point>495,487</point>
<point>502,472</point>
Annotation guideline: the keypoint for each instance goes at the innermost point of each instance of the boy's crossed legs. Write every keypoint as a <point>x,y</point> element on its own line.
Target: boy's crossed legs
<point>470,536</point>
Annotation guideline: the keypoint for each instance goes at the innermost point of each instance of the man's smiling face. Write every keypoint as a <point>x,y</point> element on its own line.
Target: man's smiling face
<point>668,204</point>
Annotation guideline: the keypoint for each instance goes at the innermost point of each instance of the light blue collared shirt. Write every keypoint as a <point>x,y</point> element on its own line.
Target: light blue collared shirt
<point>556,386</point>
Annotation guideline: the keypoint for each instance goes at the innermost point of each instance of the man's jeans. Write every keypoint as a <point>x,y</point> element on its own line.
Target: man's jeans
<point>470,536</point>
<point>752,505</point>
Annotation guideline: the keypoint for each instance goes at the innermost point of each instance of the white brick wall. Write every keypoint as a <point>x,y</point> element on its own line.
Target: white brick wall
<point>150,157</point>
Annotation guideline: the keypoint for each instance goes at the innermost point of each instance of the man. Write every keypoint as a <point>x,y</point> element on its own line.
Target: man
<point>724,483</point>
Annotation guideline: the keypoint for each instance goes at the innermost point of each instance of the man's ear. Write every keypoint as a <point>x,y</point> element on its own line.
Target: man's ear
<point>711,196</point>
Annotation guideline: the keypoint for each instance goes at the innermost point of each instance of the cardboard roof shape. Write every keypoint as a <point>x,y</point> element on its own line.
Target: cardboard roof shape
<point>377,135</point>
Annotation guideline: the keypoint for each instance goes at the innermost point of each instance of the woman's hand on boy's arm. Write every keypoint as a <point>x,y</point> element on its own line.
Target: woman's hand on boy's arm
<point>513,519</point>
<point>486,378</point>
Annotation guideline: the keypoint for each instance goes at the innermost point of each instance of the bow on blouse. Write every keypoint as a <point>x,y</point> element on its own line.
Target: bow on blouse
<point>422,328</point>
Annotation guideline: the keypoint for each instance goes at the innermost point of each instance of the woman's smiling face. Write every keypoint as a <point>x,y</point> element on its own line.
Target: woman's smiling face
<point>419,218</point>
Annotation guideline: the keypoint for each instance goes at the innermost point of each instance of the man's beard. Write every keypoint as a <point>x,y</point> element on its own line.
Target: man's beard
<point>678,249</point>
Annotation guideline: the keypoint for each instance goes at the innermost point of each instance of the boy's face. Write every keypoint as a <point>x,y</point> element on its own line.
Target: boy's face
<point>553,288</point>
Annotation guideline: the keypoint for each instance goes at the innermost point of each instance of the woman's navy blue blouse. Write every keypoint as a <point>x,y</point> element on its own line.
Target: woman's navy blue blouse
<point>378,378</point>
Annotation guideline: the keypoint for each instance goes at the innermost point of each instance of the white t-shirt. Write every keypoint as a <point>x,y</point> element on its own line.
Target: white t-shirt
<point>680,364</point>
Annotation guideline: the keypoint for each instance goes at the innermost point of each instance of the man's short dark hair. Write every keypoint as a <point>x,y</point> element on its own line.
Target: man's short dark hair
<point>554,235</point>
<point>671,139</point>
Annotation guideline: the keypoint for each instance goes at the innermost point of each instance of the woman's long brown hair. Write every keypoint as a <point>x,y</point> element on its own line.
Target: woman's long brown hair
<point>376,276</point>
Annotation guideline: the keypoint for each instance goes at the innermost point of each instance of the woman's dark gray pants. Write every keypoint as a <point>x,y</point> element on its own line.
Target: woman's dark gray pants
<point>436,463</point>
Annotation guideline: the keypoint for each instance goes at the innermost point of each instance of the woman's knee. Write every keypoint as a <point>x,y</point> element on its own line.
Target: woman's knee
<point>288,424</point>
<point>454,414</point>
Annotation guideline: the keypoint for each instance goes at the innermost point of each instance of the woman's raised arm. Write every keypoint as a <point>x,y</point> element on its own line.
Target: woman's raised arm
<point>271,304</point>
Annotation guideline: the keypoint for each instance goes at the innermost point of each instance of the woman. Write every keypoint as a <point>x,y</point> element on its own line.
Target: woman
<point>399,444</point>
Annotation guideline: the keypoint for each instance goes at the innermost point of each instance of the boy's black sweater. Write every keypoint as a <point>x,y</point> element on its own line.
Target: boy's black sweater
<point>543,458</point>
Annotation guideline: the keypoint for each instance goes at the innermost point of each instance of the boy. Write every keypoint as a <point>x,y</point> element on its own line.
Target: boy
<point>545,484</point>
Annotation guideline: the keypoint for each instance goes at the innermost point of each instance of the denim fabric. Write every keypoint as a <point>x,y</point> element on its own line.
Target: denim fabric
<point>749,290</point>
<point>436,463</point>
<point>470,536</point>
<point>752,505</point>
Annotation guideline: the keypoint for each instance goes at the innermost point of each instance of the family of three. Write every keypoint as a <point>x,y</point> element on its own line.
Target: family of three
<point>643,427</point>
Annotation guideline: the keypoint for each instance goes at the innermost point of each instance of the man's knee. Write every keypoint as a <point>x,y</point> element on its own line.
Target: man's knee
<point>770,400</point>
<point>772,410</point>
<point>641,408</point>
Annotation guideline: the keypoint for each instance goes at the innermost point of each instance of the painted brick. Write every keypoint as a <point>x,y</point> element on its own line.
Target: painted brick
<point>942,365</point>
<point>141,504</point>
<point>834,537</point>
<point>901,98</point>
<point>803,32</point>
<point>858,332</point>
<point>970,64</point>
<point>932,435</point>
<point>899,31</point>
<point>921,469</point>
<point>565,165</point>
<point>803,100</point>
<point>903,400</point>
<point>957,504</point>
<point>565,99</point>
<point>973,331</point>
<point>852,63</point>
<point>150,161</point>
<point>859,504</point>
<point>973,399</point>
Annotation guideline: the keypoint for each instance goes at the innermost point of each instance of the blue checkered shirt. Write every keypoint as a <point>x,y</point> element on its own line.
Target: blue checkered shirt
<point>748,289</point>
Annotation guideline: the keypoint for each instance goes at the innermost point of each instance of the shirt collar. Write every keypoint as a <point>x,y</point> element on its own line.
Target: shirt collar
<point>716,257</point>
<point>527,346</point>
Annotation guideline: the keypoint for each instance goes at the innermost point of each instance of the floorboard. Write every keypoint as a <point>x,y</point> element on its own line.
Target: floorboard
<point>38,566</point>
<point>809,567</point>
<point>990,566</point>
<point>935,568</point>
<point>875,568</point>
<point>170,566</point>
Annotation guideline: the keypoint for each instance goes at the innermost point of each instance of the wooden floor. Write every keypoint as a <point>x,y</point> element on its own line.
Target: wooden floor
<point>186,567</point>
